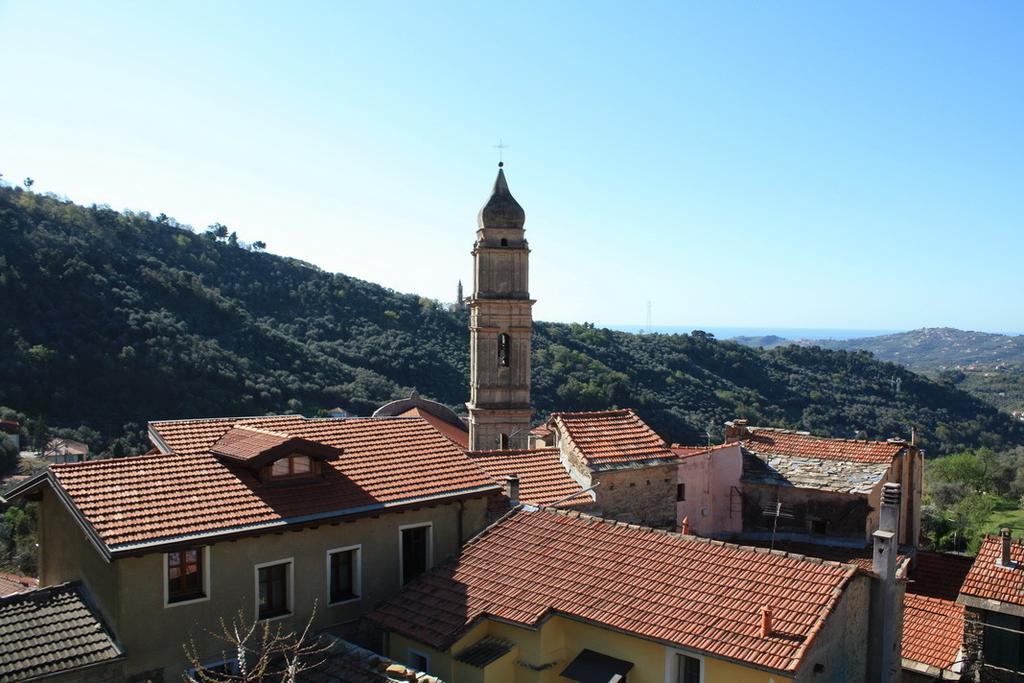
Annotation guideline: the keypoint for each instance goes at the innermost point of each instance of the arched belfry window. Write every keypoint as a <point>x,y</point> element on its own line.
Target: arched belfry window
<point>503,350</point>
<point>504,242</point>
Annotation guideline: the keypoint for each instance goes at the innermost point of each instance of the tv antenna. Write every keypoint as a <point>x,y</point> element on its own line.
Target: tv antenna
<point>649,324</point>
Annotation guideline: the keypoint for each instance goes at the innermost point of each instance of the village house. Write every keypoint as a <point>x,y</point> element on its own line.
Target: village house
<point>823,490</point>
<point>272,516</point>
<point>549,595</point>
<point>992,597</point>
<point>629,468</point>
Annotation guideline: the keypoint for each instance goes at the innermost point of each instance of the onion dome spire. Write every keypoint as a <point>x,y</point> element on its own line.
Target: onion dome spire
<point>501,210</point>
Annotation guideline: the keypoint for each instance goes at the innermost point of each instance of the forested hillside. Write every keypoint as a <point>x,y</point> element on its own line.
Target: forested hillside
<point>113,319</point>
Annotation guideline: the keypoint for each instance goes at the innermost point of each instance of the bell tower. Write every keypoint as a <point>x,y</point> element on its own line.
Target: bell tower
<point>500,326</point>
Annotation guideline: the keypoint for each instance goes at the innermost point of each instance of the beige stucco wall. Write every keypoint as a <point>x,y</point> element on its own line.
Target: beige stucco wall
<point>131,589</point>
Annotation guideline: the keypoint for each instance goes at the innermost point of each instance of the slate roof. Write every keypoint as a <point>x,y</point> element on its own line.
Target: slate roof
<point>681,590</point>
<point>612,438</point>
<point>991,581</point>
<point>50,630</point>
<point>768,440</point>
<point>840,476</point>
<point>15,583</point>
<point>149,500</point>
<point>933,631</point>
<point>543,479</point>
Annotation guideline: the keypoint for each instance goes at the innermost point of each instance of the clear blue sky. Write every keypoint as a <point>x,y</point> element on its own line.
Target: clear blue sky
<point>754,164</point>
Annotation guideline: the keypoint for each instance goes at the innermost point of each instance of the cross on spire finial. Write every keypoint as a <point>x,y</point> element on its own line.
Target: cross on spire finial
<point>501,147</point>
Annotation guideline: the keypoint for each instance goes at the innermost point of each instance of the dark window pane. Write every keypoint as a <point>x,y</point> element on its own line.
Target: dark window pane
<point>184,575</point>
<point>1002,646</point>
<point>680,491</point>
<point>414,552</point>
<point>688,669</point>
<point>273,581</point>
<point>343,568</point>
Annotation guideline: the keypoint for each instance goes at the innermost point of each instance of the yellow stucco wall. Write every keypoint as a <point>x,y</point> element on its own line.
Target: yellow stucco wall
<point>65,554</point>
<point>543,654</point>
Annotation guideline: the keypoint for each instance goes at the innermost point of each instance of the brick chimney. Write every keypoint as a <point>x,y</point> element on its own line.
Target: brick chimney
<point>766,621</point>
<point>512,488</point>
<point>1005,560</point>
<point>884,657</point>
<point>736,430</point>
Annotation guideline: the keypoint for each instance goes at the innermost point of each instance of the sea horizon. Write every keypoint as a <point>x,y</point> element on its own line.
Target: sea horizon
<point>729,332</point>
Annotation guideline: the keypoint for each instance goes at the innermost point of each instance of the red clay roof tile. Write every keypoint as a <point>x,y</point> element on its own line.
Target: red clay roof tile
<point>694,593</point>
<point>988,579</point>
<point>543,479</point>
<point>151,498</point>
<point>933,630</point>
<point>611,437</point>
<point>800,444</point>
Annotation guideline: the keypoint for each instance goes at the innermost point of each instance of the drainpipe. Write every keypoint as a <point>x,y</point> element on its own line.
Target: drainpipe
<point>884,655</point>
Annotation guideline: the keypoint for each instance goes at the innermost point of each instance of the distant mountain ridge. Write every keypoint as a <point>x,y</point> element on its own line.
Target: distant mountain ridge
<point>112,319</point>
<point>989,366</point>
<point>928,348</point>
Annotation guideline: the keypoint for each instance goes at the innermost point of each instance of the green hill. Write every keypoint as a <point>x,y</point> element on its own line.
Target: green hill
<point>115,318</point>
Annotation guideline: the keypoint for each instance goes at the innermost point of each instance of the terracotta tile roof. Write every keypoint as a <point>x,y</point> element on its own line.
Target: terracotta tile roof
<point>768,440</point>
<point>991,581</point>
<point>245,443</point>
<point>682,590</point>
<point>939,575</point>
<point>543,479</point>
<point>151,498</point>
<point>50,630</point>
<point>611,437</point>
<point>933,631</point>
<point>458,436</point>
<point>15,583</point>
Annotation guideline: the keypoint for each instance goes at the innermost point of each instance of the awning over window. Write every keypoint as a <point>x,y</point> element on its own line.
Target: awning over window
<point>594,667</point>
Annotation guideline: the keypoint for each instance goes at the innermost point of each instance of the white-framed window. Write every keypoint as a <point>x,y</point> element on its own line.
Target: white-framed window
<point>683,667</point>
<point>344,574</point>
<point>186,576</point>
<point>418,661</point>
<point>275,589</point>
<point>415,550</point>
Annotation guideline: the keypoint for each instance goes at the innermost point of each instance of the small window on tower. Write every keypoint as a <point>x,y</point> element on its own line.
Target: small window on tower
<point>504,242</point>
<point>503,350</point>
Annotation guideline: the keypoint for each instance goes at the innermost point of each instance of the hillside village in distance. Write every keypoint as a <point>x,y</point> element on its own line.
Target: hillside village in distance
<point>420,544</point>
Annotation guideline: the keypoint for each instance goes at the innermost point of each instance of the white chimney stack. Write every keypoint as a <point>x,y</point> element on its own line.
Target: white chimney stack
<point>884,647</point>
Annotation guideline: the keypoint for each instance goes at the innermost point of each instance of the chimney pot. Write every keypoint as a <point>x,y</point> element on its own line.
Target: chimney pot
<point>735,430</point>
<point>1005,560</point>
<point>512,488</point>
<point>766,621</point>
<point>891,494</point>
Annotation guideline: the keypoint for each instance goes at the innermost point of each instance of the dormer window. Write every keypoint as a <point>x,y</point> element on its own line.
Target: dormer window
<point>274,456</point>
<point>294,466</point>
